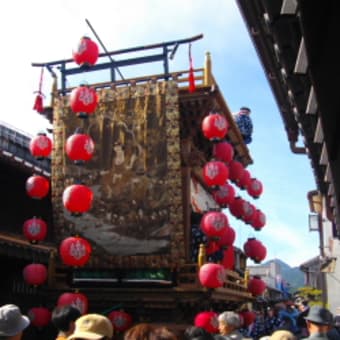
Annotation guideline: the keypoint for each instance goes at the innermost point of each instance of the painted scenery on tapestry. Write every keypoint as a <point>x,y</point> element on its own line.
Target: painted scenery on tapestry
<point>127,174</point>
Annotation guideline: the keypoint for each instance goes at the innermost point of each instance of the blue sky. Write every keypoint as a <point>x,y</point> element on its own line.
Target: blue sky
<point>52,29</point>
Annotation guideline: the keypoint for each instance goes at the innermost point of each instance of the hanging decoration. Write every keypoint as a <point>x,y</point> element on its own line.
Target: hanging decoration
<point>211,275</point>
<point>35,229</point>
<point>38,103</point>
<point>35,274</point>
<point>83,101</point>
<point>256,286</point>
<point>225,195</point>
<point>259,220</point>
<point>235,171</point>
<point>215,173</point>
<point>86,53</point>
<point>211,247</point>
<point>40,146</point>
<point>247,317</point>
<point>121,320</point>
<point>214,127</point>
<point>192,86</point>
<point>77,199</point>
<point>236,207</point>
<point>228,260</point>
<point>75,251</point>
<point>255,188</point>
<point>77,300</point>
<point>39,316</point>
<point>249,213</point>
<point>227,238</point>
<point>213,223</point>
<point>244,180</point>
<point>223,151</point>
<point>207,320</point>
<point>255,250</point>
<point>37,186</point>
<point>79,147</point>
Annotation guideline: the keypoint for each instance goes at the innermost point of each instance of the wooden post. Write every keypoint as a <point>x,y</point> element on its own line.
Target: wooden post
<point>246,278</point>
<point>201,256</point>
<point>51,269</point>
<point>208,80</point>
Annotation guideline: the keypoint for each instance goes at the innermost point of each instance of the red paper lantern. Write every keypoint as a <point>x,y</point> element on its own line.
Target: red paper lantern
<point>83,101</point>
<point>213,223</point>
<point>225,195</point>
<point>236,207</point>
<point>259,220</point>
<point>244,179</point>
<point>249,213</point>
<point>215,127</point>
<point>77,198</point>
<point>211,275</point>
<point>228,260</point>
<point>255,188</point>
<point>256,286</point>
<point>35,274</point>
<point>235,171</point>
<point>212,247</point>
<point>40,146</point>
<point>77,300</point>
<point>223,151</point>
<point>121,320</point>
<point>86,52</point>
<point>255,250</point>
<point>215,173</point>
<point>247,317</point>
<point>39,316</point>
<point>79,147</point>
<point>75,251</point>
<point>208,321</point>
<point>35,229</point>
<point>227,239</point>
<point>37,186</point>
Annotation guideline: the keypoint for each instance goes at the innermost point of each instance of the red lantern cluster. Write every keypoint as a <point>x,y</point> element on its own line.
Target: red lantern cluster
<point>86,53</point>
<point>121,320</point>
<point>75,251</point>
<point>39,316</point>
<point>259,220</point>
<point>37,186</point>
<point>235,171</point>
<point>255,250</point>
<point>35,229</point>
<point>215,127</point>
<point>213,223</point>
<point>35,274</point>
<point>40,146</point>
<point>207,320</point>
<point>256,286</point>
<point>77,198</point>
<point>83,101</point>
<point>211,275</point>
<point>227,238</point>
<point>77,300</point>
<point>79,147</point>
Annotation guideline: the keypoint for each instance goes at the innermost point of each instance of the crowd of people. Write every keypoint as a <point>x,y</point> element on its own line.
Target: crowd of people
<point>289,322</point>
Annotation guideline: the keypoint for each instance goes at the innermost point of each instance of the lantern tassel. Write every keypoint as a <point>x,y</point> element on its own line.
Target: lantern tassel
<point>38,103</point>
<point>192,86</point>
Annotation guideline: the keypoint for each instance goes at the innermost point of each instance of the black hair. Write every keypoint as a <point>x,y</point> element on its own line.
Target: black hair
<point>245,108</point>
<point>197,333</point>
<point>63,315</point>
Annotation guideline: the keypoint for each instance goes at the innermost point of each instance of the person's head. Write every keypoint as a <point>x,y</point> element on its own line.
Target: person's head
<point>162,333</point>
<point>92,327</point>
<point>319,320</point>
<point>197,333</point>
<point>141,331</point>
<point>245,110</point>
<point>64,317</point>
<point>12,322</point>
<point>282,335</point>
<point>228,321</point>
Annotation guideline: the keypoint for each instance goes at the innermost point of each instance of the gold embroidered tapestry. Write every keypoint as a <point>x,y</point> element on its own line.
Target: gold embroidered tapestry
<point>135,174</point>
